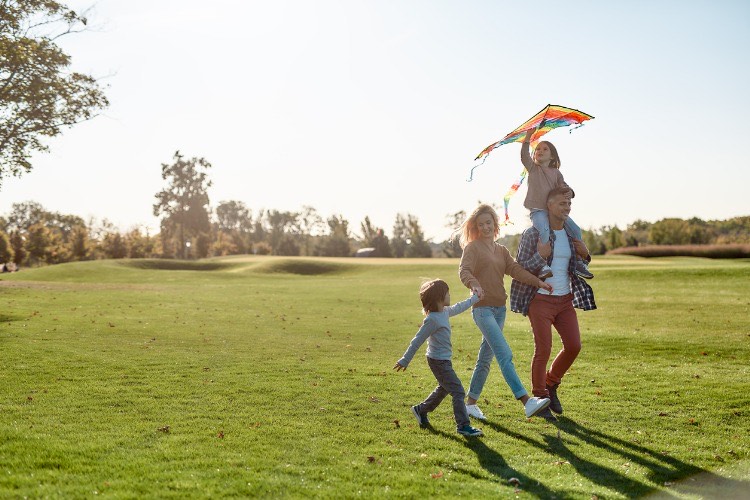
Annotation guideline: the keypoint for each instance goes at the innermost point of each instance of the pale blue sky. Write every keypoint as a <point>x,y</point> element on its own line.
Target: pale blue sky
<point>378,107</point>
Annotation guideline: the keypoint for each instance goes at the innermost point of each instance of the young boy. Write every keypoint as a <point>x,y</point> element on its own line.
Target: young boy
<point>436,329</point>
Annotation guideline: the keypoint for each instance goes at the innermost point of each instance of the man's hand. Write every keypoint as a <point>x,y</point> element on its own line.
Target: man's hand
<point>399,368</point>
<point>544,249</point>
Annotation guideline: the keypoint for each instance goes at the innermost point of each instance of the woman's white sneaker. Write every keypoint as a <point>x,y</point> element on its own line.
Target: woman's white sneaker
<point>535,405</point>
<point>474,411</point>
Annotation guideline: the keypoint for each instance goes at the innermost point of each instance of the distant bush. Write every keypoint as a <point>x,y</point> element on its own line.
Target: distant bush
<point>735,251</point>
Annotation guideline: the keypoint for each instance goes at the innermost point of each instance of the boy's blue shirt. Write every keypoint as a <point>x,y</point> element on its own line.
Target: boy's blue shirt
<point>436,329</point>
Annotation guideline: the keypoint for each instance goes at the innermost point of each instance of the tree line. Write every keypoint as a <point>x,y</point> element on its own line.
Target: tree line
<point>191,228</point>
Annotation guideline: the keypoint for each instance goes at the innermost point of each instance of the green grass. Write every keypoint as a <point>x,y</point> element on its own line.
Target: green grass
<point>244,377</point>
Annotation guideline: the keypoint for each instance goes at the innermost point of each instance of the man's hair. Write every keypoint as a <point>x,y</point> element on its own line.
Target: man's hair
<point>432,293</point>
<point>561,190</point>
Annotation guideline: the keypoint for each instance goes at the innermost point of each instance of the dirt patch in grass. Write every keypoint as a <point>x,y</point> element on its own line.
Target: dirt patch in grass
<point>304,267</point>
<point>177,265</point>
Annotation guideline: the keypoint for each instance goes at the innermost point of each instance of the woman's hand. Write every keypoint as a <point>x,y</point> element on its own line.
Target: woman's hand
<point>545,286</point>
<point>477,290</point>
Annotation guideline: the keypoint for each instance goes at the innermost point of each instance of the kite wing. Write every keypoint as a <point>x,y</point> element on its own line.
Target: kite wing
<point>551,117</point>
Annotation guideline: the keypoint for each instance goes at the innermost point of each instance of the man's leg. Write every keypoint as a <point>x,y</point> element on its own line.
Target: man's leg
<point>566,324</point>
<point>541,316</point>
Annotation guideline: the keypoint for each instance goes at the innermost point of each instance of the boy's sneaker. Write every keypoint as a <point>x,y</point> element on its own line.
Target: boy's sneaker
<point>474,411</point>
<point>535,405</point>
<point>545,273</point>
<point>470,431</point>
<point>421,417</point>
<point>547,415</point>
<point>554,401</point>
<point>582,270</point>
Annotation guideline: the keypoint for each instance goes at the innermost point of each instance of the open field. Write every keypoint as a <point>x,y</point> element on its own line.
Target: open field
<point>272,377</point>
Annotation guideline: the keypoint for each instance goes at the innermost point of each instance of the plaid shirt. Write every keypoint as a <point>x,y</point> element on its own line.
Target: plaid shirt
<point>521,293</point>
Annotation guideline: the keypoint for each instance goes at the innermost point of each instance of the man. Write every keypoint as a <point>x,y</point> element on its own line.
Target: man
<point>544,309</point>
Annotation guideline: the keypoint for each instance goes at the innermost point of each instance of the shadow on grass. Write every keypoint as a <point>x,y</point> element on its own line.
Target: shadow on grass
<point>7,318</point>
<point>662,468</point>
<point>494,463</point>
<point>177,265</point>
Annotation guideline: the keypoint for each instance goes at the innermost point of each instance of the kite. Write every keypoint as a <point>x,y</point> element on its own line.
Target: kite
<point>551,117</point>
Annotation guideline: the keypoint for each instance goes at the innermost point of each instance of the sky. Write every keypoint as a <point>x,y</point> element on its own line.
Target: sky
<point>378,107</point>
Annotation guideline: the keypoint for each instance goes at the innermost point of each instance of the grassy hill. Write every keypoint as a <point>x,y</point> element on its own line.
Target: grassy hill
<point>264,376</point>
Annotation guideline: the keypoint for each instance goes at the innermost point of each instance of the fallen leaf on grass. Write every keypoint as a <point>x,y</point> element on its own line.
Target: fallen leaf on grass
<point>373,399</point>
<point>164,429</point>
<point>220,435</point>
<point>668,483</point>
<point>437,475</point>
<point>398,425</point>
<point>662,414</point>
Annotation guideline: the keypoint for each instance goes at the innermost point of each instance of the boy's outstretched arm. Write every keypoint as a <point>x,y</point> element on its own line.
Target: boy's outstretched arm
<point>398,367</point>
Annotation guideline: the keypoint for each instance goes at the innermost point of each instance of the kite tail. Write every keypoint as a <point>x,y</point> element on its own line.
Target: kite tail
<point>577,126</point>
<point>471,174</point>
<point>510,193</point>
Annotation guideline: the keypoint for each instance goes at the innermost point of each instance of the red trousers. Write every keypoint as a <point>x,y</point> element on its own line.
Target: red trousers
<point>546,311</point>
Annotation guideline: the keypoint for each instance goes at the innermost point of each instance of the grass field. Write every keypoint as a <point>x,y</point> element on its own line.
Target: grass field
<point>271,377</point>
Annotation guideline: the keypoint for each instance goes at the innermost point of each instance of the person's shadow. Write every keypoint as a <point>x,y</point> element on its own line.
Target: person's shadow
<point>495,464</point>
<point>662,468</point>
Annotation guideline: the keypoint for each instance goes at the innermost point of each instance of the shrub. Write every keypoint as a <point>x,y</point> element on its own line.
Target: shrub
<point>735,251</point>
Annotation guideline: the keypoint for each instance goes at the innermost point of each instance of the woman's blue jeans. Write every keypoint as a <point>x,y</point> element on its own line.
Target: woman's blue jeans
<point>490,321</point>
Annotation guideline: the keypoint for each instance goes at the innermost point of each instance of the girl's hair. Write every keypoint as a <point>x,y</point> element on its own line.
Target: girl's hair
<point>468,231</point>
<point>432,293</point>
<point>555,161</point>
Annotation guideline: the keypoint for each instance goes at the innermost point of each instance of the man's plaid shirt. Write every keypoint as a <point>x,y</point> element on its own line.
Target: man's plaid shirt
<point>521,293</point>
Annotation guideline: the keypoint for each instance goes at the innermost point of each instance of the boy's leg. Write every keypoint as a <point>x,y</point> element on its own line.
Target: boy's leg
<point>449,382</point>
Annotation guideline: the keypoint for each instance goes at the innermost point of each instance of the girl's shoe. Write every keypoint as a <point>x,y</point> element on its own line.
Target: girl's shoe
<point>535,405</point>
<point>545,273</point>
<point>582,270</point>
<point>474,411</point>
<point>470,431</point>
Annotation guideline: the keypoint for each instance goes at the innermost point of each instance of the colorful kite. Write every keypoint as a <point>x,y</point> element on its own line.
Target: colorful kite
<point>549,118</point>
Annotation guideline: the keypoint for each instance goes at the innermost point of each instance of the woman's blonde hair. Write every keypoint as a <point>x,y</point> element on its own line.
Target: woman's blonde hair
<point>468,230</point>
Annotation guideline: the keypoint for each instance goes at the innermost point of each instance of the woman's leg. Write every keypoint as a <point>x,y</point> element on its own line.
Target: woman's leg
<point>481,370</point>
<point>490,321</point>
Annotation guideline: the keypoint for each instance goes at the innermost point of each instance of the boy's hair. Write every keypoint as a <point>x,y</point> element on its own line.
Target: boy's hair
<point>432,293</point>
<point>555,161</point>
<point>468,230</point>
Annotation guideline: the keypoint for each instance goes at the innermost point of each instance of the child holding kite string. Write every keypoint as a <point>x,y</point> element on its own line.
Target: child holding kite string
<point>436,330</point>
<point>544,175</point>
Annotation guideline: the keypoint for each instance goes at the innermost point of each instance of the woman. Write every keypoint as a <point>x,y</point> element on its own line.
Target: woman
<point>483,265</point>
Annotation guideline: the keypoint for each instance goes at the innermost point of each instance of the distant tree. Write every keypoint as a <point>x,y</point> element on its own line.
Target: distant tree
<point>593,242</point>
<point>235,223</point>
<point>26,214</point>
<point>670,231</point>
<point>309,224</point>
<point>39,94</point>
<point>38,243</point>
<point>202,245</point>
<point>417,245</point>
<point>138,244</point>
<point>6,250</point>
<point>400,236</point>
<point>451,247</point>
<point>184,203</point>
<point>79,243</point>
<point>280,232</point>
<point>613,237</point>
<point>114,247</point>
<point>636,233</point>
<point>336,243</point>
<point>18,245</point>
<point>374,237</point>
<point>223,244</point>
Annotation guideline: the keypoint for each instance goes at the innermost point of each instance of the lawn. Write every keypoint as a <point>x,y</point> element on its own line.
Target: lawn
<point>272,377</point>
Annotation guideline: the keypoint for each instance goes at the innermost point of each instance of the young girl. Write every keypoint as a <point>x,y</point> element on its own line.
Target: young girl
<point>544,175</point>
<point>436,330</point>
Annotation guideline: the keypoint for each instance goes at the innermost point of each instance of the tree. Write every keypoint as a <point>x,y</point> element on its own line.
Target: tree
<point>417,245</point>
<point>184,203</point>
<point>17,243</point>
<point>400,235</point>
<point>280,228</point>
<point>336,243</point>
<point>234,223</point>
<point>39,94</point>
<point>374,237</point>
<point>6,250</point>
